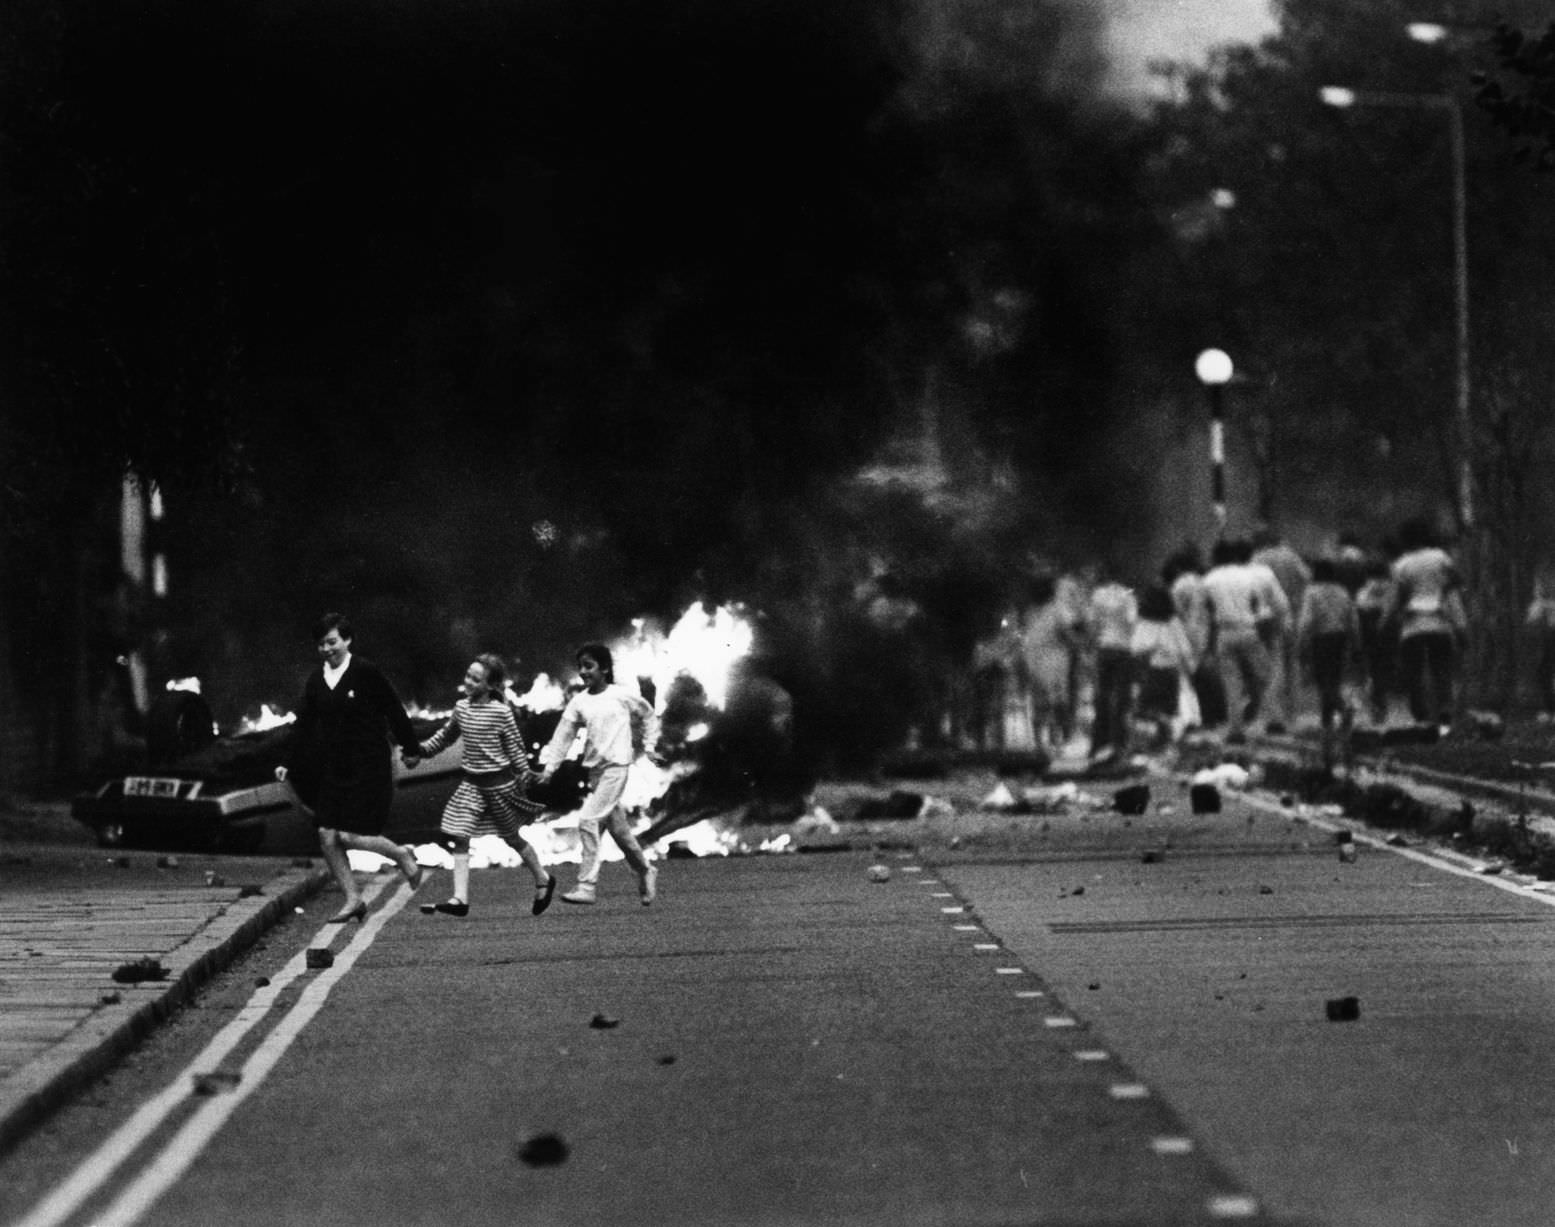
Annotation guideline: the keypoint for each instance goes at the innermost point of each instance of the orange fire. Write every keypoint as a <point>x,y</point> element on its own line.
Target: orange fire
<point>703,645</point>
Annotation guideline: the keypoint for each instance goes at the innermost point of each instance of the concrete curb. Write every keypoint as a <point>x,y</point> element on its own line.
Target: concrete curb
<point>1442,793</point>
<point>112,1030</point>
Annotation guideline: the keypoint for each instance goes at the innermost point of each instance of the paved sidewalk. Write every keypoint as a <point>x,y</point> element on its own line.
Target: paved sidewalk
<point>73,915</point>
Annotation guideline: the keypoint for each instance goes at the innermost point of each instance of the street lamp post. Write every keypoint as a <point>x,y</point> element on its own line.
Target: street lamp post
<point>1447,104</point>
<point>1213,368</point>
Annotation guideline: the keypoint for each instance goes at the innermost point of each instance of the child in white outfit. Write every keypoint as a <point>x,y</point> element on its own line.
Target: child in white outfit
<point>618,725</point>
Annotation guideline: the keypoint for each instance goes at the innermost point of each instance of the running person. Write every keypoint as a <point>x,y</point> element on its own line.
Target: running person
<point>490,797</point>
<point>618,725</point>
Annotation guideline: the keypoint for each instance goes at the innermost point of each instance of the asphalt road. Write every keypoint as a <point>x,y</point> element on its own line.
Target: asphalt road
<point>1210,971</point>
<point>1075,1019</point>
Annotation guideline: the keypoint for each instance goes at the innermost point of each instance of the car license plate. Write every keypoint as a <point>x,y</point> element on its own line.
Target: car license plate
<point>150,786</point>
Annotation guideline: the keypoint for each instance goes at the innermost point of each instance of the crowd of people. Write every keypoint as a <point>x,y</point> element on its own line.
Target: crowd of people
<point>1248,639</point>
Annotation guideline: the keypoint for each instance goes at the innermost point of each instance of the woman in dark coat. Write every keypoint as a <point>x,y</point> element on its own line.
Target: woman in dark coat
<point>338,759</point>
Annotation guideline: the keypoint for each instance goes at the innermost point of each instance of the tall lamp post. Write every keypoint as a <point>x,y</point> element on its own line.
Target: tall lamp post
<point>1448,105</point>
<point>1214,369</point>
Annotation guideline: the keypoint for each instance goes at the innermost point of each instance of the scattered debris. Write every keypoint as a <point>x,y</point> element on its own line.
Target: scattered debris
<point>603,1022</point>
<point>301,862</point>
<point>249,890</point>
<point>141,969</point>
<point>320,957</point>
<point>879,873</point>
<point>1001,798</point>
<point>1055,800</point>
<point>1347,848</point>
<point>261,981</point>
<point>1078,890</point>
<point>1487,725</point>
<point>900,804</point>
<point>1343,1009</point>
<point>679,850</point>
<point>1266,890</point>
<point>1134,799</point>
<point>667,1059</point>
<point>219,1082</point>
<point>1152,857</point>
<point>110,999</point>
<point>1228,775</point>
<point>937,807</point>
<point>544,1150</point>
<point>212,878</point>
<point>816,821</point>
<point>167,862</point>
<point>1205,798</point>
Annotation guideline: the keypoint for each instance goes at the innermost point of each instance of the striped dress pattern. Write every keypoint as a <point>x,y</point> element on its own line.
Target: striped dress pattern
<point>491,798</point>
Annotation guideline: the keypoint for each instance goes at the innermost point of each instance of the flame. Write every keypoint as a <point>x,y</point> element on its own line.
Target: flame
<point>268,718</point>
<point>702,645</point>
<point>544,694</point>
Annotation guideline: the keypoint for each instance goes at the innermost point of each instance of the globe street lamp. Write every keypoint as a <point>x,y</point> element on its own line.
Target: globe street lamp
<point>1214,370</point>
<point>1448,105</point>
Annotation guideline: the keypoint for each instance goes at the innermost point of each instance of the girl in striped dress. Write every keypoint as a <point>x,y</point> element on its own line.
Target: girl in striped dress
<point>490,797</point>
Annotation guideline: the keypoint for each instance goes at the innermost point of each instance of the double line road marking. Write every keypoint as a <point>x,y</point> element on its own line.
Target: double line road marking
<point>167,1164</point>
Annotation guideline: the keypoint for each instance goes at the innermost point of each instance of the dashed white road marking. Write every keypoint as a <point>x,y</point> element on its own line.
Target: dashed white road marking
<point>1031,992</point>
<point>1232,1206</point>
<point>1009,971</point>
<point>1129,1090</point>
<point>969,928</point>
<point>952,911</point>
<point>1059,1020</point>
<point>1172,1146</point>
<point>986,946</point>
<point>1092,1054</point>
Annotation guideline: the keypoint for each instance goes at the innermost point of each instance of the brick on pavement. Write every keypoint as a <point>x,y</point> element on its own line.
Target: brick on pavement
<point>71,916</point>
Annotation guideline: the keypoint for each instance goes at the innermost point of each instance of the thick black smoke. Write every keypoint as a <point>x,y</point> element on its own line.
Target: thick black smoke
<point>498,324</point>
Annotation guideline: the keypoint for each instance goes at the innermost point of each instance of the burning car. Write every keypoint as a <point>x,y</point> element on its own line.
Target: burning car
<point>204,789</point>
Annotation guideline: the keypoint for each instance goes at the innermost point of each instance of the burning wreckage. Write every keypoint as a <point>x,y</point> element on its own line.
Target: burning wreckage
<point>206,789</point>
<point>726,737</point>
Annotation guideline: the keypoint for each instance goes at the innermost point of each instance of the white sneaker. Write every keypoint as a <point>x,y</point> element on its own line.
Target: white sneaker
<point>583,892</point>
<point>647,884</point>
